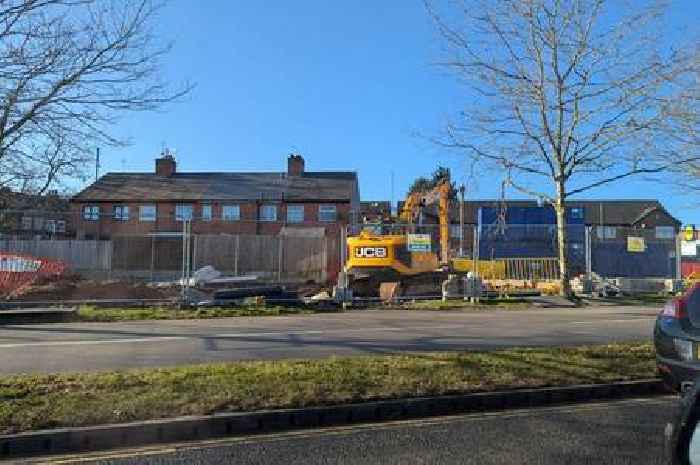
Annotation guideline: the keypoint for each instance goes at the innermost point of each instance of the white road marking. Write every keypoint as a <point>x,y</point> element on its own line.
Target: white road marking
<point>90,342</point>
<point>215,336</point>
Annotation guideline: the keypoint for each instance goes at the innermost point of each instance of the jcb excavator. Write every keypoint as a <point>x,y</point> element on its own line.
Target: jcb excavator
<point>376,258</point>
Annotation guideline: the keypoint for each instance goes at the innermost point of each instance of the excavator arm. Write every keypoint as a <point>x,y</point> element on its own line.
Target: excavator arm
<point>417,200</point>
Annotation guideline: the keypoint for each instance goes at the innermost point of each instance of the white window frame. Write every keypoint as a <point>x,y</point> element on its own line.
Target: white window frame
<point>606,232</point>
<point>38,223</point>
<point>148,218</point>
<point>231,212</point>
<point>293,211</point>
<point>327,219</point>
<point>27,223</point>
<point>120,212</point>
<point>665,232</point>
<point>91,212</point>
<point>576,213</point>
<point>207,212</point>
<point>268,207</point>
<point>181,208</point>
<point>60,226</point>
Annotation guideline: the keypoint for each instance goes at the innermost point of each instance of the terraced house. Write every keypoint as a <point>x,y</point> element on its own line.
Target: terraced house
<point>295,201</point>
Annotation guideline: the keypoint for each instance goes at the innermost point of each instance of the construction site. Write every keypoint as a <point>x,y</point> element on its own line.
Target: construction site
<point>436,246</point>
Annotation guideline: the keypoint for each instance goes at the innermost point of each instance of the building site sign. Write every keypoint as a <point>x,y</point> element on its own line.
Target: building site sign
<point>419,242</point>
<point>635,244</point>
<point>689,248</point>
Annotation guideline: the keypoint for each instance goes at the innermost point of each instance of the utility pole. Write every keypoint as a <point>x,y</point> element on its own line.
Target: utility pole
<point>461,220</point>
<point>97,163</point>
<point>391,209</point>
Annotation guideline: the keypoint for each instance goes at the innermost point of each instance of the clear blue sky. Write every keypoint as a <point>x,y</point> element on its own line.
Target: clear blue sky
<point>349,85</point>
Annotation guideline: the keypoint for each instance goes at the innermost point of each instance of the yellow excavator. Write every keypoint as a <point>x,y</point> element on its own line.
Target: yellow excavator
<point>401,257</point>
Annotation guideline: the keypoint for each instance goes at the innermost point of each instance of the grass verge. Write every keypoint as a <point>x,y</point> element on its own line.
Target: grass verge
<point>30,402</point>
<point>90,313</point>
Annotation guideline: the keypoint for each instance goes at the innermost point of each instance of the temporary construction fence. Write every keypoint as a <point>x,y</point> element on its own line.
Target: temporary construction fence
<point>160,256</point>
<point>531,251</point>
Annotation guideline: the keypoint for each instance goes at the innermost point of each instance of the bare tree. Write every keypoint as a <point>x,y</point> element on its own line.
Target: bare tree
<point>567,95</point>
<point>685,114</point>
<point>68,70</point>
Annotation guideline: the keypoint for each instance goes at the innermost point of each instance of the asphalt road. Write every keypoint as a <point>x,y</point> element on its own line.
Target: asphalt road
<point>623,432</point>
<point>62,347</point>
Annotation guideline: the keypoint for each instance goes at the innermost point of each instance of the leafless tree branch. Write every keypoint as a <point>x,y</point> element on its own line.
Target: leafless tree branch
<point>68,70</point>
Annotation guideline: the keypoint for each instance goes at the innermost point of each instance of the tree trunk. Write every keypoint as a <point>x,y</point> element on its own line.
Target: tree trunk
<point>560,208</point>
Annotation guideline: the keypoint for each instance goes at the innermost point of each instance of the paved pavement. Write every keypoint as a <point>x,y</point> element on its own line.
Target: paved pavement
<point>62,347</point>
<point>624,432</point>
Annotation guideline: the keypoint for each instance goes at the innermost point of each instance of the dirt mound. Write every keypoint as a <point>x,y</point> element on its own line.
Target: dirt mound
<point>73,288</point>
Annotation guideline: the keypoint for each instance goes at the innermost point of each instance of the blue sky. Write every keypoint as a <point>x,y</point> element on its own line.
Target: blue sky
<point>349,85</point>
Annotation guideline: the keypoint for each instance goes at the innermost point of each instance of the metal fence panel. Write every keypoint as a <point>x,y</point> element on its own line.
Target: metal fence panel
<point>633,252</point>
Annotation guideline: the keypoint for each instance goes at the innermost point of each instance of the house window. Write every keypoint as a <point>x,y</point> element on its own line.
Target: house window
<point>27,222</point>
<point>38,223</point>
<point>327,213</point>
<point>60,226</point>
<point>268,213</point>
<point>120,212</point>
<point>606,232</point>
<point>91,212</point>
<point>295,213</point>
<point>183,212</point>
<point>665,232</point>
<point>576,213</point>
<point>147,213</point>
<point>231,213</point>
<point>206,212</point>
<point>51,226</point>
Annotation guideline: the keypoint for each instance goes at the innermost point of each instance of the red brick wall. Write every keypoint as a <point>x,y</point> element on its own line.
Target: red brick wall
<point>165,222</point>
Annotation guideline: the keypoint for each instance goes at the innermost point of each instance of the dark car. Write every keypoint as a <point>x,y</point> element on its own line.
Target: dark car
<point>683,433</point>
<point>677,340</point>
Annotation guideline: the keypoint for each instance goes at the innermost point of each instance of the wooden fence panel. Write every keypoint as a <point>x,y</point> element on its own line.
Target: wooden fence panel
<point>77,254</point>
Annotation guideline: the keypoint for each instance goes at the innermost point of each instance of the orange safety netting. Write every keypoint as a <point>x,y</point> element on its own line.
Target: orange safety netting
<point>18,270</point>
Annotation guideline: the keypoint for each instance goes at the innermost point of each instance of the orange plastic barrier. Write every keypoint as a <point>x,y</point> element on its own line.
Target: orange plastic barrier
<point>18,270</point>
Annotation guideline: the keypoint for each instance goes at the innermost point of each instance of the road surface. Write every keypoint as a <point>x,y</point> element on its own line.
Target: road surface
<point>623,432</point>
<point>65,347</point>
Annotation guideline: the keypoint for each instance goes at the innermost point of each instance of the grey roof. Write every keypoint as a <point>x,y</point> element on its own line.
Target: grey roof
<point>611,212</point>
<point>310,186</point>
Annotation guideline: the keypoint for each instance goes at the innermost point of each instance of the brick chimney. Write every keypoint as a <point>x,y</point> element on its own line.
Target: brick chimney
<point>295,165</point>
<point>165,165</point>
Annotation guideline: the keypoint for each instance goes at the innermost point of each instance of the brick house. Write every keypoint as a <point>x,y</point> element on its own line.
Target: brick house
<point>375,211</point>
<point>32,216</point>
<point>295,201</point>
